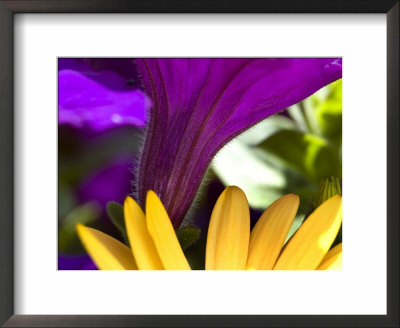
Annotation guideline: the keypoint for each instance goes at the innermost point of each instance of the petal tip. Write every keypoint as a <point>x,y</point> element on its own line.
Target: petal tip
<point>335,199</point>
<point>80,227</point>
<point>292,197</point>
<point>151,195</point>
<point>235,191</point>
<point>151,200</point>
<point>129,201</point>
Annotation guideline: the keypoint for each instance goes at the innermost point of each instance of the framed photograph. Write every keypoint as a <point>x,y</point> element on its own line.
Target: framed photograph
<point>211,164</point>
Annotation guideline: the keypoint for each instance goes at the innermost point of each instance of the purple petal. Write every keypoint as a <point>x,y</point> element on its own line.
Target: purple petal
<point>93,68</point>
<point>111,183</point>
<point>75,262</point>
<point>83,101</point>
<point>99,99</point>
<point>201,104</point>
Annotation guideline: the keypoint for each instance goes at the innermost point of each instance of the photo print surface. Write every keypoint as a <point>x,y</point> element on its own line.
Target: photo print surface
<point>199,163</point>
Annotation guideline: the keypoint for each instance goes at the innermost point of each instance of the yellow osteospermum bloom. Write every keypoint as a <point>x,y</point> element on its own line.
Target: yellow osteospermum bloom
<point>154,245</point>
<point>230,245</point>
<point>306,250</point>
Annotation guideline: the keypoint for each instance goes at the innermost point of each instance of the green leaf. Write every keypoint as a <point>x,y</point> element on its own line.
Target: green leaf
<point>306,153</point>
<point>240,165</point>
<point>67,236</point>
<point>115,212</point>
<point>265,129</point>
<point>329,113</point>
<point>196,254</point>
<point>79,159</point>
<point>66,199</point>
<point>329,187</point>
<point>188,236</point>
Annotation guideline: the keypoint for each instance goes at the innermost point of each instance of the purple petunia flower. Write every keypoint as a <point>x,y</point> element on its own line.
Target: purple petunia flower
<point>110,183</point>
<point>100,94</point>
<point>201,104</point>
<point>75,262</point>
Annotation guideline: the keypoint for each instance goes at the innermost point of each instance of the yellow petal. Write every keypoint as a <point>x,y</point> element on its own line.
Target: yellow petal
<point>142,244</point>
<point>269,234</point>
<point>107,252</point>
<point>312,240</point>
<point>332,260</point>
<point>229,232</point>
<point>163,234</point>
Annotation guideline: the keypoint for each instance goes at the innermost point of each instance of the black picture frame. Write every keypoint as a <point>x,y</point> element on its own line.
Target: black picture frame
<point>7,198</point>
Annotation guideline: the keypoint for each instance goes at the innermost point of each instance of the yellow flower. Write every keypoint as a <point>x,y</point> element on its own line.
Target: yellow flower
<point>154,245</point>
<point>230,245</point>
<point>332,260</point>
<point>228,232</point>
<point>229,235</point>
